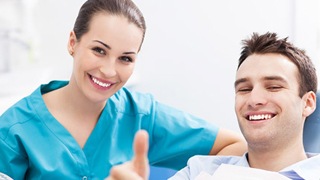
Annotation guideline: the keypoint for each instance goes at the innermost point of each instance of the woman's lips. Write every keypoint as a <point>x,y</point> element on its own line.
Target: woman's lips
<point>100,83</point>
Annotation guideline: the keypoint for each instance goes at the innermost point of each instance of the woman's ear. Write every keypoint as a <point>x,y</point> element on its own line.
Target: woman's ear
<point>310,103</point>
<point>72,42</point>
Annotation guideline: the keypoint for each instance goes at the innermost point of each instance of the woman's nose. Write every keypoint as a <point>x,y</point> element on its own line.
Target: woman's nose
<point>109,68</point>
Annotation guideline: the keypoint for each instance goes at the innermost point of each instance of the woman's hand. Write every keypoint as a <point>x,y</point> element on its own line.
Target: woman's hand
<point>138,168</point>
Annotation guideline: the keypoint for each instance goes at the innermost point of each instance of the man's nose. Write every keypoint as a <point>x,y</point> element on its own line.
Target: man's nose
<point>257,97</point>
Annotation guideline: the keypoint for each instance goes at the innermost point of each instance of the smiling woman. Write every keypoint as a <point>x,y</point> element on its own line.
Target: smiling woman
<point>82,127</point>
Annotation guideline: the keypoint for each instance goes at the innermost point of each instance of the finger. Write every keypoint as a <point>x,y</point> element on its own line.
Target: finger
<point>123,172</point>
<point>109,178</point>
<point>140,160</point>
<point>141,145</point>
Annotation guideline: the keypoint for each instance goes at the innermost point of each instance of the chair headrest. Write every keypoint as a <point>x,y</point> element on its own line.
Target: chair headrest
<point>311,132</point>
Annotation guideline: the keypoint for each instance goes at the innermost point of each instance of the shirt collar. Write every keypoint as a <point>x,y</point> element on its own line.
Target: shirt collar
<point>243,161</point>
<point>307,169</point>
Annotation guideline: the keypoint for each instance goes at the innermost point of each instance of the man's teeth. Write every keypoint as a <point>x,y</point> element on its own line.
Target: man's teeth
<point>259,117</point>
<point>100,83</point>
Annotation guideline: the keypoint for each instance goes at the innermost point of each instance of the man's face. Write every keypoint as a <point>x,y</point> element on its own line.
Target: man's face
<point>267,102</point>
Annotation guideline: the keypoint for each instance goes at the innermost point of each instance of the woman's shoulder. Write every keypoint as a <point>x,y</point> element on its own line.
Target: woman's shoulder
<point>25,109</point>
<point>132,95</point>
<point>130,101</point>
<point>15,118</point>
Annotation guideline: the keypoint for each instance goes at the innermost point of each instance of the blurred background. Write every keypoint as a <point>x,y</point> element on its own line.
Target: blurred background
<point>188,59</point>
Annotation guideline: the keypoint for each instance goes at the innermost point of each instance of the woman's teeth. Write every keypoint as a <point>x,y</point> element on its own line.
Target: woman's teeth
<point>102,84</point>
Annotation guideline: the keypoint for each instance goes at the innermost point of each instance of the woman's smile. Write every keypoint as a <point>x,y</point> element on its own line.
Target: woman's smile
<point>100,84</point>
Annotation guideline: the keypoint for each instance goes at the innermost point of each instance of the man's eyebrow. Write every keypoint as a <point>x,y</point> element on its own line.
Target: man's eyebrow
<point>104,44</point>
<point>238,81</point>
<point>241,80</point>
<point>276,78</point>
<point>108,47</point>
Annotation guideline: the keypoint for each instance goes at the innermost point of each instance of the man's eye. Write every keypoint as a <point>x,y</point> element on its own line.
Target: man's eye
<point>126,59</point>
<point>99,50</point>
<point>244,90</point>
<point>274,87</point>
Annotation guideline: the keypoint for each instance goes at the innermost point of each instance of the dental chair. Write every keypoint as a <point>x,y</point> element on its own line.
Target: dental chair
<point>311,132</point>
<point>160,173</point>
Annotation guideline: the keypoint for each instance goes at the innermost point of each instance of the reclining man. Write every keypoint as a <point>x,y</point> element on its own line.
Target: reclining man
<point>274,94</point>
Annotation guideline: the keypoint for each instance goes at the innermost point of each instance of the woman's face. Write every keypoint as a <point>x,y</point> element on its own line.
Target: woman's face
<point>105,56</point>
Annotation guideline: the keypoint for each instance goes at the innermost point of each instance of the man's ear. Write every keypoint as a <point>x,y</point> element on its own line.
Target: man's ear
<point>72,42</point>
<point>310,103</point>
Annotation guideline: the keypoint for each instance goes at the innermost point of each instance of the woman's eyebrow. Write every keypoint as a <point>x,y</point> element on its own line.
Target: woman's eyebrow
<point>108,47</point>
<point>104,44</point>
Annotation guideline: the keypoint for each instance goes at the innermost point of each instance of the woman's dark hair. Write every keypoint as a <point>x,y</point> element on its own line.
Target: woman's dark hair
<point>270,43</point>
<point>124,8</point>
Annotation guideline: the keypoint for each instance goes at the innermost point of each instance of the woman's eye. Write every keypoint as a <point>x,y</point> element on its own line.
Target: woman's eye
<point>126,59</point>
<point>99,50</point>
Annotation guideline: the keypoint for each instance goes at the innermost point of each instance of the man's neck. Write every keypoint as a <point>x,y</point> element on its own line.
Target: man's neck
<point>273,159</point>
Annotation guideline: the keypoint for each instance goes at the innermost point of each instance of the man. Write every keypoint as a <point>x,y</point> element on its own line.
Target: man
<point>274,94</point>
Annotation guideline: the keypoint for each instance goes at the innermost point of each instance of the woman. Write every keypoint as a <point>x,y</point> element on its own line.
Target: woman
<point>82,127</point>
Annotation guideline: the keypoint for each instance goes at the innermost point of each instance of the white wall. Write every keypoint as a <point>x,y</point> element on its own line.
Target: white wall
<point>190,52</point>
<point>192,47</point>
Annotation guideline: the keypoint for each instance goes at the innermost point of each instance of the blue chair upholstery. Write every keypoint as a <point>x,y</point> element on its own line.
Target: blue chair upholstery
<point>311,133</point>
<point>160,173</point>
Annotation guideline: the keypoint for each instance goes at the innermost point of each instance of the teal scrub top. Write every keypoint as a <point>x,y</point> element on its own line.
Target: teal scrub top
<point>34,145</point>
